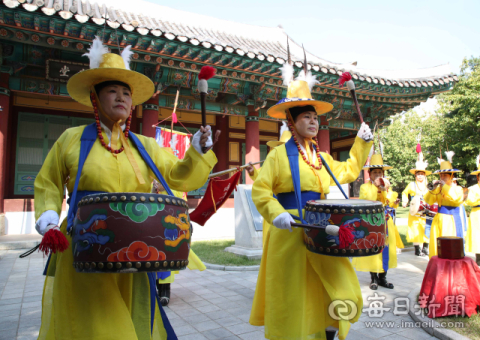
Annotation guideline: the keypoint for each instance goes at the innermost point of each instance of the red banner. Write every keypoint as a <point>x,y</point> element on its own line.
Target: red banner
<point>218,191</point>
<point>179,144</point>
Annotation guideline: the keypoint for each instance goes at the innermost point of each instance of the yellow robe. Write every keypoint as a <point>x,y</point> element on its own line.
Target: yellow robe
<point>416,224</point>
<point>295,286</point>
<point>472,239</point>
<point>442,224</point>
<point>391,198</point>
<point>265,225</point>
<point>103,306</point>
<point>374,263</point>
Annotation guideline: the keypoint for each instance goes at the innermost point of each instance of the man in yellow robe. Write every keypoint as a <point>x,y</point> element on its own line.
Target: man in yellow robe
<point>448,221</point>
<point>378,265</point>
<point>416,224</point>
<point>472,239</point>
<point>106,306</point>
<point>295,286</point>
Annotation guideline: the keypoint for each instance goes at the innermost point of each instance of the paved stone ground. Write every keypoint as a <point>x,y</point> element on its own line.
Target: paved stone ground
<point>205,305</point>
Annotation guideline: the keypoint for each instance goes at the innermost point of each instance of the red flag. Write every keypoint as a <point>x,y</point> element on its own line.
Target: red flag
<point>218,191</point>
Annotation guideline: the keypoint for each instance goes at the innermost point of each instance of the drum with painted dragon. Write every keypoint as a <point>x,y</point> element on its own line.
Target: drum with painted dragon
<point>131,232</point>
<point>361,227</point>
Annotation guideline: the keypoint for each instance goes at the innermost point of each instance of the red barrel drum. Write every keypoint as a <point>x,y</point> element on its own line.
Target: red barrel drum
<point>361,222</point>
<point>131,232</point>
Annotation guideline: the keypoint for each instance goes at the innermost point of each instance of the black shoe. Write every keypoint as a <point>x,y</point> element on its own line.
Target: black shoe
<point>164,292</point>
<point>330,335</point>
<point>374,283</point>
<point>418,251</point>
<point>382,281</point>
<point>425,249</point>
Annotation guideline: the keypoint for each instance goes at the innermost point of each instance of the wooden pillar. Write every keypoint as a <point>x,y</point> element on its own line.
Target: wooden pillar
<point>149,117</point>
<point>221,147</point>
<point>252,139</point>
<point>323,135</point>
<point>4,116</point>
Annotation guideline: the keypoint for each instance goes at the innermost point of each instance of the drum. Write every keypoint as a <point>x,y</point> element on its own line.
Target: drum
<point>419,208</point>
<point>131,232</point>
<point>450,247</point>
<point>362,227</point>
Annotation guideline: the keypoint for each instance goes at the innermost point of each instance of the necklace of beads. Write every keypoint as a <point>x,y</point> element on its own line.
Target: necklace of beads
<point>305,158</point>
<point>99,127</point>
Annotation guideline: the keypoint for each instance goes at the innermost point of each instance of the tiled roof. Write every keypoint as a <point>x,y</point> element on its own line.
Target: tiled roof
<point>256,42</point>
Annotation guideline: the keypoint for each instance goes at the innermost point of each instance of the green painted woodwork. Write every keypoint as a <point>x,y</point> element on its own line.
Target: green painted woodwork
<point>36,135</point>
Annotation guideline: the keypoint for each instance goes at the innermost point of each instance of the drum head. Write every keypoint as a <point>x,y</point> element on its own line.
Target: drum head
<point>414,205</point>
<point>343,203</point>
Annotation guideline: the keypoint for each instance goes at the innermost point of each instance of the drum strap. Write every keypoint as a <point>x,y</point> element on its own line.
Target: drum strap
<point>292,154</point>
<point>89,136</point>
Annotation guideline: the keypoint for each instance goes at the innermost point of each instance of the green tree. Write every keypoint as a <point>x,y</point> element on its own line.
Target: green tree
<point>461,108</point>
<point>400,141</point>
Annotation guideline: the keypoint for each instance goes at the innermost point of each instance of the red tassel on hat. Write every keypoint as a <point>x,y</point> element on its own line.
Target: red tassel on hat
<point>419,148</point>
<point>53,241</point>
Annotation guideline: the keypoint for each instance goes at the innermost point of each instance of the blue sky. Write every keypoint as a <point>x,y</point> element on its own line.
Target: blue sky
<point>377,34</point>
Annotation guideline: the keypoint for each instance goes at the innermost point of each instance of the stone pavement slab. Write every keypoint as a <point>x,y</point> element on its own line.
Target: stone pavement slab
<point>210,305</point>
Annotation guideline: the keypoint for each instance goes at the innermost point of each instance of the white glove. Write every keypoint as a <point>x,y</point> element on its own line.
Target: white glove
<point>283,221</point>
<point>365,133</point>
<point>196,140</point>
<point>404,205</point>
<point>47,221</point>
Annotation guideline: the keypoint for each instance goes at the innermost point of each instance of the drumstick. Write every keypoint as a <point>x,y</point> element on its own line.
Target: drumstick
<point>293,224</point>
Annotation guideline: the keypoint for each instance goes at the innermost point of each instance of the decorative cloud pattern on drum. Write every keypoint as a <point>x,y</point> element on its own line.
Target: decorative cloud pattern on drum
<point>361,231</point>
<point>137,251</point>
<point>131,232</point>
<point>137,212</point>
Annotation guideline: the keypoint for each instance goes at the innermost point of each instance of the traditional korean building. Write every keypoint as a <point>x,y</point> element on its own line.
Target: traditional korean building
<point>41,47</point>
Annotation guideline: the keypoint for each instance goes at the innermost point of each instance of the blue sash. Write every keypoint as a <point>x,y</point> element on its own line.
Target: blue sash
<point>288,199</point>
<point>458,217</point>
<point>87,140</point>
<point>385,252</point>
<point>428,227</point>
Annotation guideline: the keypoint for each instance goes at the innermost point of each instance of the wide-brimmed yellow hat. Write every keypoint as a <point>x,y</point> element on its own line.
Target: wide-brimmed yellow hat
<point>298,94</point>
<point>286,135</point>
<point>109,67</point>
<point>376,162</point>
<point>420,164</point>
<point>446,166</point>
<point>477,161</point>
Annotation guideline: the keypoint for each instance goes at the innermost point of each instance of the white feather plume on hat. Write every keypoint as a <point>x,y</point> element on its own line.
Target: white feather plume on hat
<point>127,55</point>
<point>450,155</point>
<point>477,162</point>
<point>96,52</point>
<point>372,150</point>
<point>440,160</point>
<point>287,73</point>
